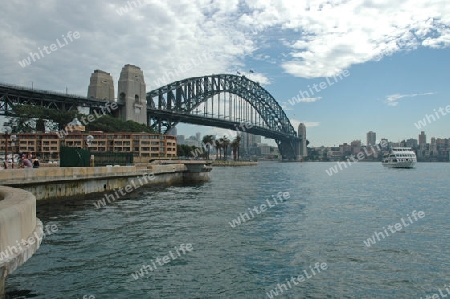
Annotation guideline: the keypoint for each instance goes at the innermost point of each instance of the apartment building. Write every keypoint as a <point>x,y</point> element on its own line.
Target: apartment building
<point>46,145</point>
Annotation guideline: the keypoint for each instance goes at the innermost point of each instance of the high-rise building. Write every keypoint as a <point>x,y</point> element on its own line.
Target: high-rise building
<point>422,138</point>
<point>248,141</point>
<point>433,147</point>
<point>371,138</point>
<point>198,135</point>
<point>303,151</point>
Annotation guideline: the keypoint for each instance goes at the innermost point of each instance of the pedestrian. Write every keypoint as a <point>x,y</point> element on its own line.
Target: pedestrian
<point>36,163</point>
<point>26,163</point>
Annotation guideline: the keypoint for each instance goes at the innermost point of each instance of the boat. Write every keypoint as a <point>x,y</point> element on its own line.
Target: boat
<point>400,157</point>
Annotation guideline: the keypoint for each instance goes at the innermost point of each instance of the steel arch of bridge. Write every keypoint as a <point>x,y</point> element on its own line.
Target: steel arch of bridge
<point>175,102</point>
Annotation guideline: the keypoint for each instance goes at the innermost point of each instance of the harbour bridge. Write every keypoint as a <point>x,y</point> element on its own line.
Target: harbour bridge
<point>224,100</point>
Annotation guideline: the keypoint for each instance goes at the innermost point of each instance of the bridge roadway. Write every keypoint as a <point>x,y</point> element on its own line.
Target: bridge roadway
<point>13,94</point>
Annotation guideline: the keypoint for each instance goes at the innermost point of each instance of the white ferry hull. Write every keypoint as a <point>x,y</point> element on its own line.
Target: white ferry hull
<point>407,164</point>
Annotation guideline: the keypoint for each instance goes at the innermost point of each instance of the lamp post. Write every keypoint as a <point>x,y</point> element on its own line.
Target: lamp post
<point>89,140</point>
<point>13,140</point>
<point>7,131</point>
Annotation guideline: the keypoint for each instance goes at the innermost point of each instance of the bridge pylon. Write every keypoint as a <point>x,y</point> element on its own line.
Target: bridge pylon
<point>131,92</point>
<point>289,149</point>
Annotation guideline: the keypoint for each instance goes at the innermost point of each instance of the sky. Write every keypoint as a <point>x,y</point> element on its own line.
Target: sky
<point>341,67</point>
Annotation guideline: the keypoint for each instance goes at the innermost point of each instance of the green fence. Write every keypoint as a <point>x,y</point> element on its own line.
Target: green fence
<point>74,157</point>
<point>78,157</point>
<point>111,158</point>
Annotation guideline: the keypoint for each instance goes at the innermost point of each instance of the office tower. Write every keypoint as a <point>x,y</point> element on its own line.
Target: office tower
<point>371,138</point>
<point>422,138</point>
<point>303,151</point>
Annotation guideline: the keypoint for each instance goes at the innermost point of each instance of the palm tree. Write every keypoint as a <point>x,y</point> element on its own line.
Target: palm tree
<point>219,147</point>
<point>234,146</point>
<point>208,141</point>
<point>238,144</point>
<point>225,144</point>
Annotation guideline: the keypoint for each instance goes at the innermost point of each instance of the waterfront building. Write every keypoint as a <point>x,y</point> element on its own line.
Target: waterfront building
<point>371,138</point>
<point>46,146</point>
<point>412,143</point>
<point>355,146</point>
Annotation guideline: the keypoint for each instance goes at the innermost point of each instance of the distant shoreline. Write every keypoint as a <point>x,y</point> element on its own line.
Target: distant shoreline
<point>233,163</point>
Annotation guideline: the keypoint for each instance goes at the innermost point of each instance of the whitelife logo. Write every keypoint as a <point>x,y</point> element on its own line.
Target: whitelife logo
<point>53,47</point>
<point>162,261</point>
<point>377,236</point>
<point>430,117</point>
<point>262,208</point>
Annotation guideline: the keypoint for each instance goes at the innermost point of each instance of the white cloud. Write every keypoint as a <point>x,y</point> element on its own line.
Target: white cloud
<point>308,124</point>
<point>310,100</point>
<point>392,100</point>
<point>330,36</point>
<point>316,38</point>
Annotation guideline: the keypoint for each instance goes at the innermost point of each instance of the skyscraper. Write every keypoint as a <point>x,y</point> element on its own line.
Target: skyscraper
<point>422,138</point>
<point>371,138</point>
<point>433,146</point>
<point>303,151</point>
<point>248,141</point>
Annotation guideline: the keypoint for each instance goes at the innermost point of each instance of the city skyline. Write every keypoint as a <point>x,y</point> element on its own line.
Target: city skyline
<point>324,63</point>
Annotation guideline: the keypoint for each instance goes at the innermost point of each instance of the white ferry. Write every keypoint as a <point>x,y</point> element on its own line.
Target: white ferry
<point>400,157</point>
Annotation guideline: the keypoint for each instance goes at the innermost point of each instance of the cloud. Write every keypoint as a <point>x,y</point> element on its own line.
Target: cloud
<point>326,37</point>
<point>316,38</point>
<point>310,100</point>
<point>308,124</point>
<point>392,100</point>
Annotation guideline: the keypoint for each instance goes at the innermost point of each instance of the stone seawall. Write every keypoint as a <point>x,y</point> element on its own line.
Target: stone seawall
<point>20,231</point>
<point>64,182</point>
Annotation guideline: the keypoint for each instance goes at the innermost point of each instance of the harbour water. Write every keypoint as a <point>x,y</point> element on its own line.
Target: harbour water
<point>101,252</point>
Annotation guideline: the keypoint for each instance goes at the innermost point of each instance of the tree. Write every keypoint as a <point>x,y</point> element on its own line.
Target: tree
<point>29,118</point>
<point>109,124</point>
<point>238,141</point>
<point>225,144</point>
<point>218,147</point>
<point>234,146</point>
<point>208,141</point>
<point>184,150</point>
